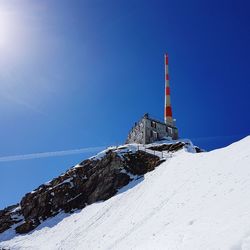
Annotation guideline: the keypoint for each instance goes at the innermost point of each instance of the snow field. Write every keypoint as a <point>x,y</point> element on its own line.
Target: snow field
<point>191,201</point>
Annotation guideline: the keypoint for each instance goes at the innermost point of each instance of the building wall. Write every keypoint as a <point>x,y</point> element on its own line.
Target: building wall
<point>154,131</point>
<point>173,132</point>
<point>148,130</point>
<point>137,133</point>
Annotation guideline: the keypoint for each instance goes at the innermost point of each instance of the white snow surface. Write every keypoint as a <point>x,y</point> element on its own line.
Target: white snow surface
<point>191,201</point>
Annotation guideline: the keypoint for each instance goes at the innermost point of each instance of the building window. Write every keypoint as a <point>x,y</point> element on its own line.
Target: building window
<point>170,130</point>
<point>155,136</point>
<point>153,124</point>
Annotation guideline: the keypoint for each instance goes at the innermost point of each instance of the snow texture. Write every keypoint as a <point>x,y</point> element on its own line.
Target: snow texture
<point>191,201</point>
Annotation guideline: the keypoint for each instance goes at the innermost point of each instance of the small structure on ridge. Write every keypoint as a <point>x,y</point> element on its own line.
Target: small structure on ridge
<point>149,130</point>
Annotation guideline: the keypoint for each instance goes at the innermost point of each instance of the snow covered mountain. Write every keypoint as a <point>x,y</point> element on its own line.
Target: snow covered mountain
<point>189,201</point>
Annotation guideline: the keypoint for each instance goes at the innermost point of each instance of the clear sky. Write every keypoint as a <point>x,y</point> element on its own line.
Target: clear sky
<point>76,74</point>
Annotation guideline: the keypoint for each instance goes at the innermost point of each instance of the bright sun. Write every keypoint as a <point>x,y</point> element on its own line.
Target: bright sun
<point>3,29</point>
<point>6,29</point>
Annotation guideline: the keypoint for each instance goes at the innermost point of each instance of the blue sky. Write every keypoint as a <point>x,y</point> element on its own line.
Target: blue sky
<point>76,74</point>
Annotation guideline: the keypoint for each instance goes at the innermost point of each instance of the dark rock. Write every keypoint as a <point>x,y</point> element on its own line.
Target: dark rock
<point>141,162</point>
<point>27,226</point>
<point>199,150</point>
<point>9,217</point>
<point>169,147</point>
<point>91,181</point>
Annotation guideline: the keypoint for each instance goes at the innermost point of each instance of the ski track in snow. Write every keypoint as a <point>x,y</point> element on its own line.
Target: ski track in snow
<point>190,202</point>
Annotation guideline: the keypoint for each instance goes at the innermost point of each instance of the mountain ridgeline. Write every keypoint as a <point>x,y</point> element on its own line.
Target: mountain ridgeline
<point>93,180</point>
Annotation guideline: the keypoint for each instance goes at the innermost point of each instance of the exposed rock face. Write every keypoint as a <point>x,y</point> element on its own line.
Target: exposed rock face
<point>91,181</point>
<point>169,147</point>
<point>140,163</point>
<point>95,179</point>
<point>199,150</point>
<point>9,216</point>
<point>173,147</point>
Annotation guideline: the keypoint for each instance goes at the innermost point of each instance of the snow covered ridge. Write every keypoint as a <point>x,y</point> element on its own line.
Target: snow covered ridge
<point>167,145</point>
<point>95,179</point>
<point>189,202</point>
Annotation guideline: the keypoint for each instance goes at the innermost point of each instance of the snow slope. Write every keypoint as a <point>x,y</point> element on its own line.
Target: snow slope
<point>191,201</point>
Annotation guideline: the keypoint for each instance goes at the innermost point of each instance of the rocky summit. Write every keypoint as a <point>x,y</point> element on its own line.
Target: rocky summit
<point>95,179</point>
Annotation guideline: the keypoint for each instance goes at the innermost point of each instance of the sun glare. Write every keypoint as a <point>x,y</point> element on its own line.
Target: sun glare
<point>9,26</point>
<point>5,29</point>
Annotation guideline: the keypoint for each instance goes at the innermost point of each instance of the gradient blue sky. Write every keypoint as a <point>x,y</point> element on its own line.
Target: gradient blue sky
<point>76,74</point>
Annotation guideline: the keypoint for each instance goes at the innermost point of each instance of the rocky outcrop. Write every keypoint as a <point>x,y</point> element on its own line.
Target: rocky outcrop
<point>173,147</point>
<point>93,180</point>
<point>169,147</point>
<point>9,216</point>
<point>199,150</point>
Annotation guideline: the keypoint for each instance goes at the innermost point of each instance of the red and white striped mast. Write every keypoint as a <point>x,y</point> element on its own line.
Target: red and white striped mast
<point>168,117</point>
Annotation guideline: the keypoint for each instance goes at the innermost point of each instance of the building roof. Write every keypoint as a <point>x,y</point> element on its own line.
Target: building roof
<point>155,120</point>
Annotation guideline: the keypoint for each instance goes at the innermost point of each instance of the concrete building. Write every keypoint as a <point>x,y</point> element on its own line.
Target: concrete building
<point>149,130</point>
